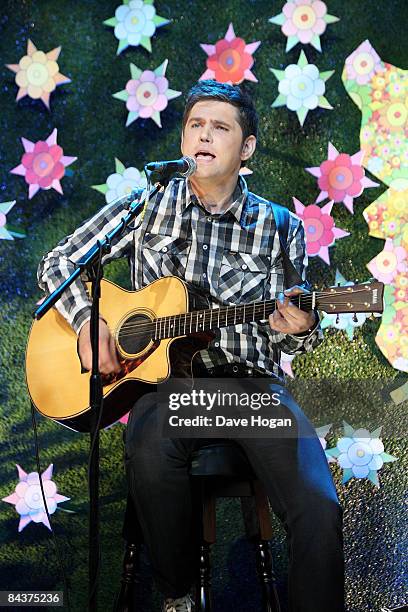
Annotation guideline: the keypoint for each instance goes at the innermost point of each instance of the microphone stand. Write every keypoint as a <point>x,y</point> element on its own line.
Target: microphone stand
<point>91,263</point>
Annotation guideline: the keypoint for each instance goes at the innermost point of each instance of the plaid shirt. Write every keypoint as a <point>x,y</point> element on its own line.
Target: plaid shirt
<point>234,257</point>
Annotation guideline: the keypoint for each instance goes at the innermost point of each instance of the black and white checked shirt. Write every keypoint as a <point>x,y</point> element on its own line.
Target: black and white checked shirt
<point>233,256</point>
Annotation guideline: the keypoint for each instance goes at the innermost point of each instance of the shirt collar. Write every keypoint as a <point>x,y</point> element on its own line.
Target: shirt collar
<point>186,197</point>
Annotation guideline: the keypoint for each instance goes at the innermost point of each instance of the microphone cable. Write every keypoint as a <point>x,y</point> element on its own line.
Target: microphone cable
<point>54,539</point>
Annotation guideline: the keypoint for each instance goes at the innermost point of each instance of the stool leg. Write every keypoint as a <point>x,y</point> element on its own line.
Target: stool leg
<point>270,601</point>
<point>203,596</point>
<point>208,530</point>
<point>124,599</point>
<point>262,520</point>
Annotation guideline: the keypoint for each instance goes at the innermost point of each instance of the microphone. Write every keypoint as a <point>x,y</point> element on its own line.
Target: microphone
<point>186,166</point>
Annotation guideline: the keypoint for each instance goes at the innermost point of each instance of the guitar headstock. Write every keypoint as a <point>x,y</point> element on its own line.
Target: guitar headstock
<point>365,297</point>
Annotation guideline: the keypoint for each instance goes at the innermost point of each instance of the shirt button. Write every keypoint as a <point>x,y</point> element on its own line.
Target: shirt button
<point>209,219</point>
<point>204,275</point>
<point>205,247</point>
<point>217,344</point>
<point>244,266</point>
<point>164,249</point>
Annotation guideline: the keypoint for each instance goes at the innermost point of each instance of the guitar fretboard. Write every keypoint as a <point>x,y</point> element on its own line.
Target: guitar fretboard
<point>205,320</point>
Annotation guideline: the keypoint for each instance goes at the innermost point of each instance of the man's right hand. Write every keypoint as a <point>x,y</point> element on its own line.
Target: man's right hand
<point>108,357</point>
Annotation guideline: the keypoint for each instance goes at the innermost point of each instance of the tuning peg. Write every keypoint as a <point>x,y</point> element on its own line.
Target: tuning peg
<point>355,320</point>
<point>337,319</point>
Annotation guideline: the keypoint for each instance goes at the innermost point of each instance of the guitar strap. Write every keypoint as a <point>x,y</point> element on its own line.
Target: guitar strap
<point>291,275</point>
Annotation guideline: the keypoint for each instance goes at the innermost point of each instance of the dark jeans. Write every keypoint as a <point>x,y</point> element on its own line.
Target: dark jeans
<point>296,477</point>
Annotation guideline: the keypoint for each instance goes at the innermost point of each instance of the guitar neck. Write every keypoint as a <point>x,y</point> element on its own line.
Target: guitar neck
<point>367,297</point>
<point>212,318</point>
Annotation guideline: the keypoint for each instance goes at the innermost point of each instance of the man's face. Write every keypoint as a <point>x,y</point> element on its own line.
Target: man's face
<point>213,137</point>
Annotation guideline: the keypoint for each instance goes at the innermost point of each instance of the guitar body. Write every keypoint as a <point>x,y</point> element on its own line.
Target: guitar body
<point>58,386</point>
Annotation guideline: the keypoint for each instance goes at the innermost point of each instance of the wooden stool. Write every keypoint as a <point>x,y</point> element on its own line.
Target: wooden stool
<point>221,469</point>
<point>218,469</point>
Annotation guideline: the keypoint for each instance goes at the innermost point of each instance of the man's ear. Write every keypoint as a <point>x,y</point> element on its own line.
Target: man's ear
<point>248,148</point>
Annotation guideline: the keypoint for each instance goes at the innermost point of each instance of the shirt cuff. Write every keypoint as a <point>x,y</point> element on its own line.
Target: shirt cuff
<point>80,318</point>
<point>308,332</point>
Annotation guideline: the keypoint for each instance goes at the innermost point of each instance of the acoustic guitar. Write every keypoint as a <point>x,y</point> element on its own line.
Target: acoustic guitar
<point>157,330</point>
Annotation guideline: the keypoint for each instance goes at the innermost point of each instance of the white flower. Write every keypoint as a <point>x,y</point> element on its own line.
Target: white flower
<point>123,184</point>
<point>134,21</point>
<point>361,453</point>
<point>302,87</point>
<point>28,500</point>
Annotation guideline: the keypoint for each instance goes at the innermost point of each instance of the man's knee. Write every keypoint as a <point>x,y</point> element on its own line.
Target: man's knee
<point>326,514</point>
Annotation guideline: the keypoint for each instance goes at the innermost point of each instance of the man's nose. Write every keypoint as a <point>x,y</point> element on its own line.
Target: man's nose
<point>205,135</point>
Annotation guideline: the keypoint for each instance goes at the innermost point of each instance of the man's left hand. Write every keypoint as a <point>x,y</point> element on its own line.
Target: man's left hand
<point>288,318</point>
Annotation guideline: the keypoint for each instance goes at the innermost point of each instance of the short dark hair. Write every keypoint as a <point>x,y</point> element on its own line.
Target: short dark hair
<point>232,94</point>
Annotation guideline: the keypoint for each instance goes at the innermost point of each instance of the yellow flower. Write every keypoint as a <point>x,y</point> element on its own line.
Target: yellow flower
<point>394,115</point>
<point>397,199</point>
<point>378,81</point>
<point>37,73</point>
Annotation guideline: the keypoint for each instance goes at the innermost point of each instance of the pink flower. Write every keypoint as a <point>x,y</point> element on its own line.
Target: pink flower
<point>341,177</point>
<point>304,19</point>
<point>386,265</point>
<point>320,230</point>
<point>230,59</point>
<point>147,94</point>
<point>363,63</point>
<point>43,164</point>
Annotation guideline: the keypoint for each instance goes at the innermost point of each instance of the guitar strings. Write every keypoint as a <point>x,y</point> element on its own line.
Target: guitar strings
<point>148,325</point>
<point>306,299</point>
<point>129,329</point>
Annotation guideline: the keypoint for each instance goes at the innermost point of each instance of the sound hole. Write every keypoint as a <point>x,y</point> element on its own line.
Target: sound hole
<point>135,334</point>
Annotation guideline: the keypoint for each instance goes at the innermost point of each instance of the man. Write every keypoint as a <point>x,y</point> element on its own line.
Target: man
<point>213,233</point>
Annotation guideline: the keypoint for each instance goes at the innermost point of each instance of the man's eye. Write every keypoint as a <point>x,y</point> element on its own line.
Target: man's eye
<point>195,125</point>
<point>221,127</point>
